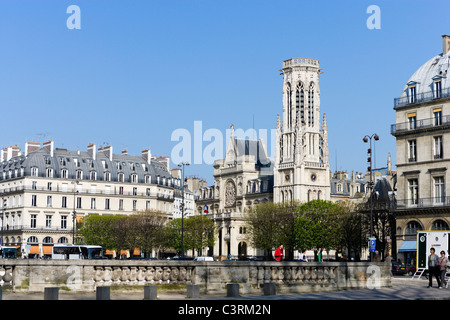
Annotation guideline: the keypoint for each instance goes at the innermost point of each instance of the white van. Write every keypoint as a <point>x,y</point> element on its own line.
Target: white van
<point>204,259</point>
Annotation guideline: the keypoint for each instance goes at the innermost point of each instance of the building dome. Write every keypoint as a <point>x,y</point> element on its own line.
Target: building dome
<point>425,78</point>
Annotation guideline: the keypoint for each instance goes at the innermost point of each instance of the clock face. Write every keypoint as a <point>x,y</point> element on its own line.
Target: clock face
<point>286,177</point>
<point>313,177</point>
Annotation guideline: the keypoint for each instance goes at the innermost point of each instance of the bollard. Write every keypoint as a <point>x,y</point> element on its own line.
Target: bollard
<point>233,290</point>
<point>150,292</point>
<point>193,291</point>
<point>103,293</point>
<point>51,293</point>
<point>270,289</point>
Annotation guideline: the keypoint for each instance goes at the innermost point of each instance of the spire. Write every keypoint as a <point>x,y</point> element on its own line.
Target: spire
<point>324,134</point>
<point>389,164</point>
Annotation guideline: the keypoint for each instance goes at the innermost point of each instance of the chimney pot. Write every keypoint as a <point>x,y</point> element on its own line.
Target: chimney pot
<point>445,43</point>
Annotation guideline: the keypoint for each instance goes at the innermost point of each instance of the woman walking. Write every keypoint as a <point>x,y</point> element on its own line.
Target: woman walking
<point>442,262</point>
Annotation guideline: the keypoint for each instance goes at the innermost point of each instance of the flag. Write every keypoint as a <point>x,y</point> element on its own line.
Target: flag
<point>205,209</point>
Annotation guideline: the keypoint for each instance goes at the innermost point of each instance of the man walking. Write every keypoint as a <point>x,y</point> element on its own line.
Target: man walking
<point>433,268</point>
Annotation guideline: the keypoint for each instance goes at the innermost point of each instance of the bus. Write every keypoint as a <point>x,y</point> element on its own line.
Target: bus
<point>70,251</point>
<point>8,252</point>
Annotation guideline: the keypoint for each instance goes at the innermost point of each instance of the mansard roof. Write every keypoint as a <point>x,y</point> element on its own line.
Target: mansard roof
<point>42,159</point>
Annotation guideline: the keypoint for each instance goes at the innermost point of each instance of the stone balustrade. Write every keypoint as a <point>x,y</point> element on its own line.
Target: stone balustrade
<point>22,275</point>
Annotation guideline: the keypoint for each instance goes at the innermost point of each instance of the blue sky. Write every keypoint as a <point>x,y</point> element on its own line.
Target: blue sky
<point>138,70</point>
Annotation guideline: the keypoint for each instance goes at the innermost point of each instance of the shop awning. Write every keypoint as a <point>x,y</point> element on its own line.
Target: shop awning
<point>34,250</point>
<point>408,246</point>
<point>47,250</point>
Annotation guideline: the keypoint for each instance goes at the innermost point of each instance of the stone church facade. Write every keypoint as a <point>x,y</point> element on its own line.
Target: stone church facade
<point>247,176</point>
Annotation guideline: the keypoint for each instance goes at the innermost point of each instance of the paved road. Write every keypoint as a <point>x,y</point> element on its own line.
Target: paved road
<point>403,288</point>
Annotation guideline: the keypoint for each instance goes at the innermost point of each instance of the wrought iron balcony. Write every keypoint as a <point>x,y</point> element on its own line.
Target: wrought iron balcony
<point>422,97</point>
<point>420,124</point>
<point>423,203</point>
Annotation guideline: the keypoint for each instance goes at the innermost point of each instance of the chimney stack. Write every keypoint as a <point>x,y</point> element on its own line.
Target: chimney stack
<point>445,43</point>
<point>31,146</point>
<point>147,155</point>
<point>108,150</point>
<point>9,152</point>
<point>49,145</point>
<point>92,150</point>
<point>125,152</point>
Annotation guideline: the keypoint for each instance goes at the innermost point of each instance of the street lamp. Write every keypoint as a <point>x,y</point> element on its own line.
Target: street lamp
<point>74,213</point>
<point>181,165</point>
<point>371,184</point>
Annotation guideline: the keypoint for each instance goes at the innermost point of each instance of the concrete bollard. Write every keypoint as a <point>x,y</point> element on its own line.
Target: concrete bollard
<point>51,293</point>
<point>103,293</point>
<point>270,289</point>
<point>193,291</point>
<point>150,292</point>
<point>233,290</point>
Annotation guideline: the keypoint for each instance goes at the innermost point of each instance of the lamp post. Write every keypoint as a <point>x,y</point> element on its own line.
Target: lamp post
<point>74,213</point>
<point>181,165</point>
<point>366,139</point>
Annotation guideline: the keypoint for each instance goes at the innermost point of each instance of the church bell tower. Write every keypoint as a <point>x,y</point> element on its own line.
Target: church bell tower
<point>302,170</point>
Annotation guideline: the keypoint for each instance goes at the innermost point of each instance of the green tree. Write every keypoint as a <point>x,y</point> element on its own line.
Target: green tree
<point>199,232</point>
<point>271,224</point>
<point>317,225</point>
<point>100,230</point>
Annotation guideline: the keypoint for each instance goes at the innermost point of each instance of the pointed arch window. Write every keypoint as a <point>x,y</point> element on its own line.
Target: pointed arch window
<point>311,104</point>
<point>289,106</point>
<point>300,104</point>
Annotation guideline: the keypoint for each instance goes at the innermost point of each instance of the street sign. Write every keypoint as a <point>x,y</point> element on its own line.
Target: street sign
<point>372,242</point>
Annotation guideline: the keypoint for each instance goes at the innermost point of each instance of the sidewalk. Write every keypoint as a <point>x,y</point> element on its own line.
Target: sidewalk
<point>403,288</point>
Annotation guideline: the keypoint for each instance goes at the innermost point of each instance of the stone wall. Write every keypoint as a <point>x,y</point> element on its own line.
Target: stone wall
<point>23,275</point>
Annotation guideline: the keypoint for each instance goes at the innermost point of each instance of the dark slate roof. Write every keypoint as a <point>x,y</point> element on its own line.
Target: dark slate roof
<point>63,158</point>
<point>252,147</point>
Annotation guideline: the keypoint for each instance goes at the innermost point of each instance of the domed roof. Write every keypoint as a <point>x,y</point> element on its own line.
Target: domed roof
<point>434,69</point>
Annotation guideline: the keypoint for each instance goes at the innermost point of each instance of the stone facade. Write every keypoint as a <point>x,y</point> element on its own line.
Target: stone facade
<point>242,179</point>
<point>422,132</point>
<point>45,190</point>
<point>301,165</point>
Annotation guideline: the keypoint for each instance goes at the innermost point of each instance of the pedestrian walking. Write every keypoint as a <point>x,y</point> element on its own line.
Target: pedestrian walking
<point>279,253</point>
<point>318,255</point>
<point>442,262</point>
<point>433,268</point>
<point>339,255</point>
<point>303,256</point>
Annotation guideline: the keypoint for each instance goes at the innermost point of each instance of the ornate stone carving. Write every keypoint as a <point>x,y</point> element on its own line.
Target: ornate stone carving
<point>230,194</point>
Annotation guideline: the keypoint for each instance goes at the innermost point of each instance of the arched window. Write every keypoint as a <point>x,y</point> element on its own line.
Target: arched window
<point>48,240</point>
<point>311,104</point>
<point>300,104</point>
<point>440,225</point>
<point>32,239</point>
<point>63,240</point>
<point>289,105</point>
<point>412,227</point>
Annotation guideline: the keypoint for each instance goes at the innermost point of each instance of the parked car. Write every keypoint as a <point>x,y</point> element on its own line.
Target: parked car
<point>203,259</point>
<point>182,258</point>
<point>398,268</point>
<point>411,270</point>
